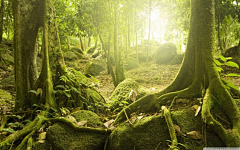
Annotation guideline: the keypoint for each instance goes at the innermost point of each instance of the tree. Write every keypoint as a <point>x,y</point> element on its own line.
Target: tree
<point>1,19</point>
<point>198,78</point>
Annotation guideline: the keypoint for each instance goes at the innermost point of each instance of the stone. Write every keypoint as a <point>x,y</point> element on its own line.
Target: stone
<point>94,68</point>
<point>165,53</point>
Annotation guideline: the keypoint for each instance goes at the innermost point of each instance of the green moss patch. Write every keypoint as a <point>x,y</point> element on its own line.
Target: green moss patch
<point>5,96</point>
<point>152,132</point>
<point>90,117</point>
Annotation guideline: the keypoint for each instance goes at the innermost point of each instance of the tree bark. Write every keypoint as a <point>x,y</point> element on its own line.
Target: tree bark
<point>1,19</point>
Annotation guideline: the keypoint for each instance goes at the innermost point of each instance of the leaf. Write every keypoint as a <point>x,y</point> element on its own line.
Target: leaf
<point>108,123</point>
<point>8,130</point>
<point>194,135</point>
<point>82,123</point>
<point>71,118</point>
<point>12,124</point>
<point>178,130</point>
<point>231,64</point>
<point>35,92</point>
<point>124,102</point>
<point>67,94</point>
<point>197,110</point>
<point>222,58</point>
<point>217,62</point>
<point>230,84</point>
<point>233,75</point>
<point>219,69</point>
<point>42,137</point>
<point>60,86</point>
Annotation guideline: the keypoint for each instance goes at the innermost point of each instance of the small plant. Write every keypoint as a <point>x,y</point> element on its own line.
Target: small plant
<point>227,62</point>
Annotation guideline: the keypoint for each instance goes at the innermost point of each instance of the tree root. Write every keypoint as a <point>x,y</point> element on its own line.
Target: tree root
<point>230,138</point>
<point>170,125</point>
<point>36,124</point>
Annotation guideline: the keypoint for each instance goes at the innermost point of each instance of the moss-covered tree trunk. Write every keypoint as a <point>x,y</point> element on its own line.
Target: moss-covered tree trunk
<point>198,78</point>
<point>26,24</point>
<point>119,68</point>
<point>1,19</point>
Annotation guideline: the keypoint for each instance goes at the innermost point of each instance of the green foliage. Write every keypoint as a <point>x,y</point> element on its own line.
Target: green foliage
<point>227,62</point>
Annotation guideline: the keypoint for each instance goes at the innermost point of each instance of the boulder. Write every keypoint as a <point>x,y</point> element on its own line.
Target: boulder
<point>91,50</point>
<point>94,68</point>
<point>128,90</point>
<point>130,64</point>
<point>76,49</point>
<point>151,133</point>
<point>177,59</point>
<point>143,57</point>
<point>62,137</point>
<point>70,56</point>
<point>165,53</point>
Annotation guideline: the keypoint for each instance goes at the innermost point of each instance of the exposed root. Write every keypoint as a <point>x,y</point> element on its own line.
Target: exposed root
<point>170,127</point>
<point>230,138</point>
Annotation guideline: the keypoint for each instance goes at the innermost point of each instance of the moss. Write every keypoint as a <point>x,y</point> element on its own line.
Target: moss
<point>90,117</point>
<point>70,56</point>
<point>8,58</point>
<point>122,91</point>
<point>148,132</point>
<point>95,67</point>
<point>41,146</point>
<point>63,137</point>
<point>130,64</point>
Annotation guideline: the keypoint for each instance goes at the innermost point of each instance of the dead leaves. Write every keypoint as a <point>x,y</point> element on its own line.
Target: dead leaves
<point>195,135</point>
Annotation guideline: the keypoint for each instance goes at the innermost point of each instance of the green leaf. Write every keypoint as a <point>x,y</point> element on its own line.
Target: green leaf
<point>36,105</point>
<point>217,62</point>
<point>60,86</point>
<point>222,58</point>
<point>230,84</point>
<point>231,64</point>
<point>125,102</point>
<point>219,69</point>
<point>8,130</point>
<point>67,94</point>
<point>12,124</point>
<point>233,75</point>
<point>33,91</point>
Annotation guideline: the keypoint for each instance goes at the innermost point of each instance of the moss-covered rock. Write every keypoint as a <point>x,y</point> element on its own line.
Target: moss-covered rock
<point>63,137</point>
<point>94,68</point>
<point>76,49</point>
<point>152,132</point>
<point>177,59</point>
<point>72,64</point>
<point>4,96</point>
<point>123,90</point>
<point>130,64</point>
<point>70,56</point>
<point>41,146</point>
<point>92,49</point>
<point>95,100</point>
<point>165,53</point>
<point>89,116</point>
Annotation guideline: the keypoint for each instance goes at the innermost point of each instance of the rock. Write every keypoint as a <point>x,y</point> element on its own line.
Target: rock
<point>96,100</point>
<point>231,52</point>
<point>94,68</point>
<point>96,54</point>
<point>91,50</point>
<point>76,49</point>
<point>143,57</point>
<point>63,137</point>
<point>123,90</point>
<point>41,146</point>
<point>72,64</point>
<point>165,53</point>
<point>152,132</point>
<point>70,56</point>
<point>130,64</point>
<point>177,59</point>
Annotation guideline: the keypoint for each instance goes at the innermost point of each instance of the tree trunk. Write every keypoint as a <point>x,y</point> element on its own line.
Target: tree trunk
<point>25,69</point>
<point>149,30</point>
<point>198,78</point>
<point>1,19</point>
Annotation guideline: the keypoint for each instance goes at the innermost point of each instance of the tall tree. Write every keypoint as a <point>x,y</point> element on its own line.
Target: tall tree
<point>1,19</point>
<point>198,78</point>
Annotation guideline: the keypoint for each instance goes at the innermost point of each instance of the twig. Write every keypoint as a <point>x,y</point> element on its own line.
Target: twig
<point>158,145</point>
<point>172,102</point>
<point>127,116</point>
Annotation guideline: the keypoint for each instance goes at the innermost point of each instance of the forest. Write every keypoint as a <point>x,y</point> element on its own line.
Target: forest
<point>119,74</point>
